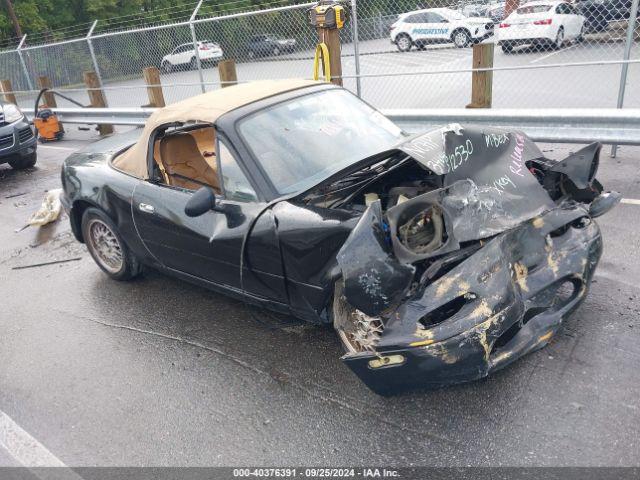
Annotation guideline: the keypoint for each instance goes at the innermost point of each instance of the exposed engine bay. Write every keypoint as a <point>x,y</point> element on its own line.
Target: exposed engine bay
<point>467,235</point>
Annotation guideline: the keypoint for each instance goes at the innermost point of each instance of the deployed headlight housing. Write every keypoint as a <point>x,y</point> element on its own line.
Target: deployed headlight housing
<point>12,113</point>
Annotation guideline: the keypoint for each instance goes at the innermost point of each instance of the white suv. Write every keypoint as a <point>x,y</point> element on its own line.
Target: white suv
<point>438,25</point>
<point>185,56</point>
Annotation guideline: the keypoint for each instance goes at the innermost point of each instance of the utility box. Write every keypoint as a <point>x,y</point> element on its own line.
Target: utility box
<point>328,14</point>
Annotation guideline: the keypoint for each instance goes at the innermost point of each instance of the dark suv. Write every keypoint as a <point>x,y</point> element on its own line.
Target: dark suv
<point>598,13</point>
<point>17,141</point>
<point>269,44</point>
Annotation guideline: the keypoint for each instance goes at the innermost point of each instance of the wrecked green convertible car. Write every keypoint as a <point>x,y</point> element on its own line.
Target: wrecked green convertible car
<point>439,258</point>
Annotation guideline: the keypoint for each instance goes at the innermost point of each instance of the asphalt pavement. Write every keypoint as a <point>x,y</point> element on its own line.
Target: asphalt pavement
<point>158,372</point>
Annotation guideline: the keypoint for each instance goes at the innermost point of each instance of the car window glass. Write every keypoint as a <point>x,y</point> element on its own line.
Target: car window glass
<point>235,183</point>
<point>434,18</point>
<point>533,9</point>
<point>304,140</point>
<point>415,18</point>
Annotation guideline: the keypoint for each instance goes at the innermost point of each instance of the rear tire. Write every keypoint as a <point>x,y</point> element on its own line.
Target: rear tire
<point>193,64</point>
<point>23,163</point>
<point>507,47</point>
<point>557,45</point>
<point>167,67</point>
<point>276,52</point>
<point>106,246</point>
<point>404,42</point>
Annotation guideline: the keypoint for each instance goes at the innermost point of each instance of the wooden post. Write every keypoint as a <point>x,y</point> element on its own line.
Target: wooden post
<point>227,71</point>
<point>49,98</point>
<point>7,91</point>
<point>96,97</point>
<point>482,82</point>
<point>152,77</point>
<point>331,38</point>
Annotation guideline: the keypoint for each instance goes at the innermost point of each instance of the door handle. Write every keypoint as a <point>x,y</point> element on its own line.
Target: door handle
<point>147,208</point>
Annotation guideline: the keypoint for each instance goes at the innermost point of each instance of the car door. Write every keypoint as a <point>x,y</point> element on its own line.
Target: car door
<point>187,53</point>
<point>414,25</point>
<point>265,45</point>
<point>438,26</point>
<point>577,19</point>
<point>174,56</point>
<point>209,247</point>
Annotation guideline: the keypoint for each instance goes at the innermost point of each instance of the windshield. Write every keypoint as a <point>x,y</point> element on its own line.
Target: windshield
<point>302,142</point>
<point>533,9</point>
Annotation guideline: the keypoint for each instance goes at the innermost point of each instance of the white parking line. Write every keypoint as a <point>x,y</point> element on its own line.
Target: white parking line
<point>25,449</point>
<point>553,53</point>
<point>59,148</point>
<point>630,201</point>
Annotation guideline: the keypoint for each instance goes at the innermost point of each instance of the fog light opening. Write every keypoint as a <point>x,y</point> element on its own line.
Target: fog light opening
<point>445,311</point>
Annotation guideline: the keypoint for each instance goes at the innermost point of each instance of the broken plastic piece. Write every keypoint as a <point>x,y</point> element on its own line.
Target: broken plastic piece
<point>49,210</point>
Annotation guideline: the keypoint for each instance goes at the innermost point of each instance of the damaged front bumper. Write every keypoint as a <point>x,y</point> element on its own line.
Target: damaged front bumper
<point>455,283</point>
<point>507,299</point>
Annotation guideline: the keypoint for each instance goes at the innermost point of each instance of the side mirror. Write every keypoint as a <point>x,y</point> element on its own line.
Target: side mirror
<point>202,201</point>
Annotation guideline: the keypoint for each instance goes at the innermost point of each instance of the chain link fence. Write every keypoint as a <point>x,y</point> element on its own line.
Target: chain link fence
<point>409,53</point>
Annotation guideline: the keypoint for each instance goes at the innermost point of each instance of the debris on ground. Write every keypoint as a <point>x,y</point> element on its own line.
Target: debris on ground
<point>44,264</point>
<point>49,210</point>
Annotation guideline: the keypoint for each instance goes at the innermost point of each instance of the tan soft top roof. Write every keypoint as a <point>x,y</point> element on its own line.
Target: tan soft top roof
<point>206,108</point>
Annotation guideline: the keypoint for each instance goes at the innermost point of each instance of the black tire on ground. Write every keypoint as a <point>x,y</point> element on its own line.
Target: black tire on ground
<point>404,42</point>
<point>24,162</point>
<point>461,38</point>
<point>559,43</point>
<point>106,246</point>
<point>167,67</point>
<point>193,64</point>
<point>507,47</point>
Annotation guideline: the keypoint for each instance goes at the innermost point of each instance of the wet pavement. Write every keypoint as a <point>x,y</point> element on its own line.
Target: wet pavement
<point>159,372</point>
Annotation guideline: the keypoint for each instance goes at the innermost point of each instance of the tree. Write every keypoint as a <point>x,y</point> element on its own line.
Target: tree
<point>12,16</point>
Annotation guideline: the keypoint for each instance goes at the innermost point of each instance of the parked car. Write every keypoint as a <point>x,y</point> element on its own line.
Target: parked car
<point>269,44</point>
<point>17,139</point>
<point>438,25</point>
<point>598,13</point>
<point>548,24</point>
<point>496,12</point>
<point>184,56</point>
<point>438,258</point>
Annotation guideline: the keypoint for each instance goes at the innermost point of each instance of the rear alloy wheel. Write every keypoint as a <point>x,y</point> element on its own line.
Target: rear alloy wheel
<point>580,38</point>
<point>559,39</point>
<point>24,162</point>
<point>461,38</point>
<point>403,42</point>
<point>106,246</point>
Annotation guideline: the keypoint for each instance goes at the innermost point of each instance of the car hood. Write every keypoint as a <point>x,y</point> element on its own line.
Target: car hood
<point>488,187</point>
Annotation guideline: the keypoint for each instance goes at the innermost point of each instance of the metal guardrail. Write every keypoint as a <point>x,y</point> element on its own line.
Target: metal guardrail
<point>609,126</point>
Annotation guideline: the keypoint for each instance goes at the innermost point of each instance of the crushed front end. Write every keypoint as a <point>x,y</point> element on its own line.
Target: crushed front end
<point>449,283</point>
